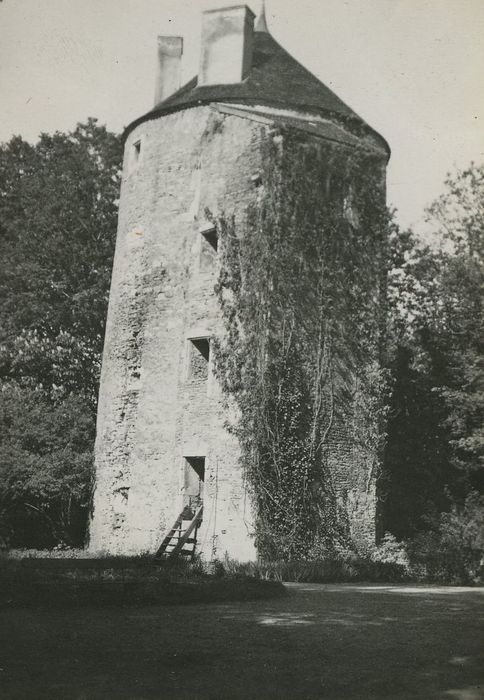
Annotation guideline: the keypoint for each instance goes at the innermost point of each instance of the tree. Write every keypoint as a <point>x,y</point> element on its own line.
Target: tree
<point>435,442</point>
<point>458,320</point>
<point>58,212</point>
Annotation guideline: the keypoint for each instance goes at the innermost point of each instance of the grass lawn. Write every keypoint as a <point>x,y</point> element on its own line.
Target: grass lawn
<point>340,642</point>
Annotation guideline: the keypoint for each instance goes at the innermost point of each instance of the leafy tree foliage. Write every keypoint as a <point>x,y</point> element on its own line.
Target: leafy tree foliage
<point>58,211</point>
<point>435,446</point>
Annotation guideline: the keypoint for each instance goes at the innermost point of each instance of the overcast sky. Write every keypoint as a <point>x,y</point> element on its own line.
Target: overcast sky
<point>413,69</point>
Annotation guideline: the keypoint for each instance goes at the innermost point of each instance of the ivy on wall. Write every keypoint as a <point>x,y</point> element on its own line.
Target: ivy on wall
<point>301,288</point>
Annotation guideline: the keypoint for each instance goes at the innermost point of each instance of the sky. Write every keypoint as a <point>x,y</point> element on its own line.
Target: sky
<point>413,69</point>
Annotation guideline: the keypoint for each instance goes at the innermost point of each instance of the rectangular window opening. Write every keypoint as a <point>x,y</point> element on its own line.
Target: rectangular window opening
<point>208,248</point>
<point>211,237</point>
<point>199,356</point>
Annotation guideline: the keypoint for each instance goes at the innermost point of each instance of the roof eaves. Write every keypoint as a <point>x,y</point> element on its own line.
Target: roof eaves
<point>166,109</point>
<point>323,129</point>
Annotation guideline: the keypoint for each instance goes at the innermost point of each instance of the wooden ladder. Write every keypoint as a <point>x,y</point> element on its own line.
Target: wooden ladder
<point>180,535</point>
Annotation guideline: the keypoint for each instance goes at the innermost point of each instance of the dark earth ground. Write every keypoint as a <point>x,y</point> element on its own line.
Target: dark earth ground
<point>337,642</point>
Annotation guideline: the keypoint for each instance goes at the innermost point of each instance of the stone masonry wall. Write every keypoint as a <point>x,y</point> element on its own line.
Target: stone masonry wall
<point>152,413</point>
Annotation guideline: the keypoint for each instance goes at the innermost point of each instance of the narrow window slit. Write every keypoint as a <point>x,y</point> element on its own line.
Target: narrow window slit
<point>135,155</point>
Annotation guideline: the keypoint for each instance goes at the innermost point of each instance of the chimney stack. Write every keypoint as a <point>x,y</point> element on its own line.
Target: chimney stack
<point>168,74</point>
<point>227,41</point>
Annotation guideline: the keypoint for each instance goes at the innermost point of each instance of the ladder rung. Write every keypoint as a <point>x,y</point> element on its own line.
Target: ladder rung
<point>176,536</point>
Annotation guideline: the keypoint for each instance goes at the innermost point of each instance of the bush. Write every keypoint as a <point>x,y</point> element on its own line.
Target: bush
<point>453,552</point>
<point>385,564</point>
<point>389,560</point>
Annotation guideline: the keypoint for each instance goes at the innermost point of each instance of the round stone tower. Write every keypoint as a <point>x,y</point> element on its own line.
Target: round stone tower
<point>168,476</point>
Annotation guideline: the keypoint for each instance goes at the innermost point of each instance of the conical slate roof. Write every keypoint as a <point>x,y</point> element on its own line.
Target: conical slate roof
<point>276,79</point>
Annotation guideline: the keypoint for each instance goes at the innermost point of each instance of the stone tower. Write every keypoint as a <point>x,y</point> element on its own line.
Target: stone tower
<point>163,456</point>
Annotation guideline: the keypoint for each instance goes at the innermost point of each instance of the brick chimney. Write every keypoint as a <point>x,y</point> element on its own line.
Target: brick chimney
<point>168,73</point>
<point>227,40</point>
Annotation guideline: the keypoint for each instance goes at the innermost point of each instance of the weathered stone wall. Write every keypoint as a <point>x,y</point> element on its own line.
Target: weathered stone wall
<point>151,414</point>
<point>353,471</point>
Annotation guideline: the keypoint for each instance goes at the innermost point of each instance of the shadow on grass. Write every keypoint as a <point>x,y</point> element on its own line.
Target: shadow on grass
<point>120,582</point>
<point>345,642</point>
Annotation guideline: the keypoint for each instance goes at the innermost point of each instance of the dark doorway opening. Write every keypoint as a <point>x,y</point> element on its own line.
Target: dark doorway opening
<point>194,478</point>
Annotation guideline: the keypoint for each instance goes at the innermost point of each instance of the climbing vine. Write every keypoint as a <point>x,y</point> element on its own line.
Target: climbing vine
<point>301,288</point>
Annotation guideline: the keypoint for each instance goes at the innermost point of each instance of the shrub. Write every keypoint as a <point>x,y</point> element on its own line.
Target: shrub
<point>453,552</point>
<point>389,560</point>
<point>343,567</point>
